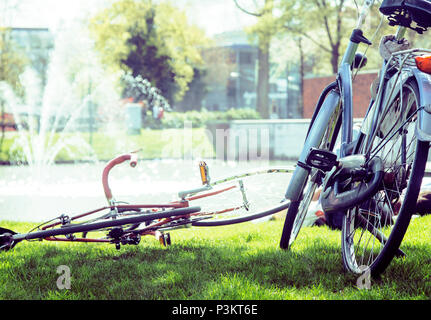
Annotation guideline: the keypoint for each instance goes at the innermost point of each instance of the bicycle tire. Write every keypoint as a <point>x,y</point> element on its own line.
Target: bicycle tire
<point>370,237</point>
<point>298,209</point>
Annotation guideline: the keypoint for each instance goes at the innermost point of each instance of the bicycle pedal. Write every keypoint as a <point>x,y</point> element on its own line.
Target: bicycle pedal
<point>165,239</point>
<point>321,159</point>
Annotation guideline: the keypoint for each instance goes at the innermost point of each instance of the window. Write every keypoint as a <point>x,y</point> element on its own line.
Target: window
<point>245,58</point>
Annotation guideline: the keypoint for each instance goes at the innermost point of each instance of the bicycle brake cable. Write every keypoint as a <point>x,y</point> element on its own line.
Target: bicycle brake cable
<point>368,46</point>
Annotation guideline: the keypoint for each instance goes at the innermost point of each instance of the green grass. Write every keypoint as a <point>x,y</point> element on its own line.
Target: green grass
<point>230,263</point>
<point>154,144</point>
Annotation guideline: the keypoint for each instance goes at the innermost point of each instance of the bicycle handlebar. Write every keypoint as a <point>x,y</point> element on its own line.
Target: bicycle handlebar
<point>133,157</point>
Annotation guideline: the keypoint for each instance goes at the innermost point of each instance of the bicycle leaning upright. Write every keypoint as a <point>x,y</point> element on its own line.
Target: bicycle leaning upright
<point>370,186</point>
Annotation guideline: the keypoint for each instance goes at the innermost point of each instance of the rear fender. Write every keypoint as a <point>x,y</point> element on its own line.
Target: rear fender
<point>423,129</point>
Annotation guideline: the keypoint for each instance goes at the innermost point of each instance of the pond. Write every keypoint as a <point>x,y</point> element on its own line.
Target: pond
<point>26,195</point>
<point>35,196</point>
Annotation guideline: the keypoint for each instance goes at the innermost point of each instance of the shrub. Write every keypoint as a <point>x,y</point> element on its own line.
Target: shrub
<point>198,119</point>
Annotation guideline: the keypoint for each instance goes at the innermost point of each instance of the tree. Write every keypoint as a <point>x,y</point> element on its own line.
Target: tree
<point>12,60</point>
<point>329,23</point>
<point>263,30</point>
<point>12,65</point>
<point>293,57</point>
<point>333,21</point>
<point>151,40</point>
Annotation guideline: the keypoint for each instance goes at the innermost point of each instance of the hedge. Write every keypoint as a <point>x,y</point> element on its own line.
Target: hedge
<point>198,119</point>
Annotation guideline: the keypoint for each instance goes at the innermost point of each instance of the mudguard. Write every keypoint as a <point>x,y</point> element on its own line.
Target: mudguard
<point>423,130</point>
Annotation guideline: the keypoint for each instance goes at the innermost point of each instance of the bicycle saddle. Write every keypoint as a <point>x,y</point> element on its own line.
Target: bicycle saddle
<point>405,12</point>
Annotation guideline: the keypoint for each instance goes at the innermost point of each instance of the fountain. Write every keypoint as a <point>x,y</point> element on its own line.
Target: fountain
<point>45,130</point>
<point>51,156</point>
<point>37,186</point>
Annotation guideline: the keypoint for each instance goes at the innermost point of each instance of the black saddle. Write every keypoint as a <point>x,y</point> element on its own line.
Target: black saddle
<point>413,14</point>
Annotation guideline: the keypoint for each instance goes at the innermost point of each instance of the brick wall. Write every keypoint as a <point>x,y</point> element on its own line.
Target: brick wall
<point>361,93</point>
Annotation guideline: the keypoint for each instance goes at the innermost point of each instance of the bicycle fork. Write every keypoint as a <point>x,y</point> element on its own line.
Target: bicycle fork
<point>339,169</point>
<point>314,138</point>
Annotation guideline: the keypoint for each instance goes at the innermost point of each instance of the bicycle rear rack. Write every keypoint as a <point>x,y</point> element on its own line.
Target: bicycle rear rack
<point>406,58</point>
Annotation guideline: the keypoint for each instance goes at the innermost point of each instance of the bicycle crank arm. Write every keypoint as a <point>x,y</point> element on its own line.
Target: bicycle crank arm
<point>7,241</point>
<point>335,200</point>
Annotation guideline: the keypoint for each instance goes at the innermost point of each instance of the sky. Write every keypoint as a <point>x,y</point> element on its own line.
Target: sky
<point>213,16</point>
<point>216,16</point>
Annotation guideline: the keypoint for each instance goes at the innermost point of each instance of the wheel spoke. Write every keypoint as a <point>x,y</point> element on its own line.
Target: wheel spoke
<point>367,228</point>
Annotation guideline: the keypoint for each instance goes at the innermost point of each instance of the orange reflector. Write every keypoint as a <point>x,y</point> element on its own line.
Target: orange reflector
<point>204,172</point>
<point>424,63</point>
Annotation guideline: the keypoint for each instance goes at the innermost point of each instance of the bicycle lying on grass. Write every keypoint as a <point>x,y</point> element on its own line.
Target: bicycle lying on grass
<point>370,187</point>
<point>231,200</point>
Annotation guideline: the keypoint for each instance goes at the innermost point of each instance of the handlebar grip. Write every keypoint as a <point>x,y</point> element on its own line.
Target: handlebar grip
<point>133,157</point>
<point>133,160</point>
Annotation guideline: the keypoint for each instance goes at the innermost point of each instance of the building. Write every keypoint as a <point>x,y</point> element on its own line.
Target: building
<point>37,44</point>
<point>313,87</point>
<point>230,79</point>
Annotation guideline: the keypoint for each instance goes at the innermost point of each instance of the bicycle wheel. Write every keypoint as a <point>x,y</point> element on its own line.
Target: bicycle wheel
<point>241,198</point>
<point>297,211</point>
<point>373,231</point>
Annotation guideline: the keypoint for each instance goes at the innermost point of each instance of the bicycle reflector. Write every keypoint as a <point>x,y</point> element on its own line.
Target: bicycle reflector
<point>424,63</point>
<point>203,168</point>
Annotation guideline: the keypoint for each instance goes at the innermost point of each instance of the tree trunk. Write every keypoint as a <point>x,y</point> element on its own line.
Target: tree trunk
<point>263,80</point>
<point>301,79</point>
<point>335,57</point>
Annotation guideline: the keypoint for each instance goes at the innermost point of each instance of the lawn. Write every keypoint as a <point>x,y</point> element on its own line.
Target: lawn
<point>241,262</point>
<point>154,144</point>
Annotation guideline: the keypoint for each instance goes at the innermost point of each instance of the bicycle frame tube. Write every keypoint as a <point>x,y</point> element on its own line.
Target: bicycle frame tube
<point>70,229</point>
<point>345,79</point>
<point>332,101</point>
<point>400,33</point>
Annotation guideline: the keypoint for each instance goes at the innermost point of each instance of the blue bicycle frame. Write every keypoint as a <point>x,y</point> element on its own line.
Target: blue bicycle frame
<point>343,95</point>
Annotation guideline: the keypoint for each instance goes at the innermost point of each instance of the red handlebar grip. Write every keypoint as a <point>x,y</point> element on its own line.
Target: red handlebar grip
<point>133,157</point>
<point>133,160</point>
